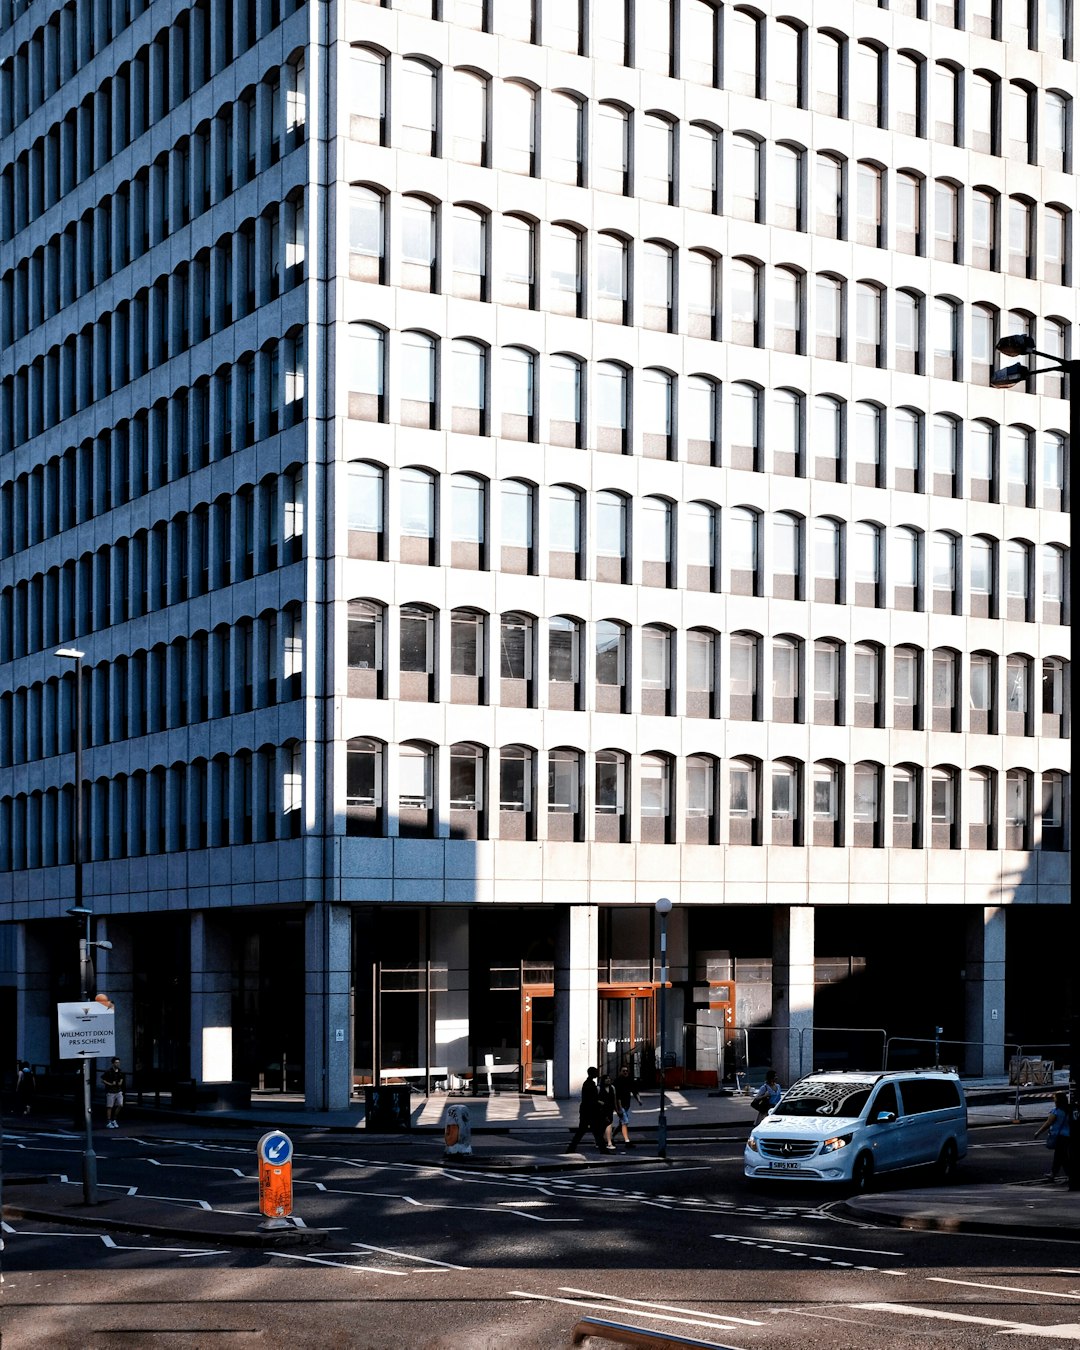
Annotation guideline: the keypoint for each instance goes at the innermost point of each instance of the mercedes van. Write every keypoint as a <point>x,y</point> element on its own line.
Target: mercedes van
<point>847,1127</point>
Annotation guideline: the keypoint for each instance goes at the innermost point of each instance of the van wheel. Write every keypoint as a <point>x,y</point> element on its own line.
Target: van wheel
<point>947,1162</point>
<point>862,1174</point>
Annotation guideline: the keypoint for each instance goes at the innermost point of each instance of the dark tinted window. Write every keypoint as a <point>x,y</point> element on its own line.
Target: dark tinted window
<point>885,1101</point>
<point>824,1097</point>
<point>928,1094</point>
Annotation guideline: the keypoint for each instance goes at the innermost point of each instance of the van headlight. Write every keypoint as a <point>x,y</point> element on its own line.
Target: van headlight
<point>837,1142</point>
<point>751,1144</point>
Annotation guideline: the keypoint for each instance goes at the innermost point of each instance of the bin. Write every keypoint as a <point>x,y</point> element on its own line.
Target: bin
<point>387,1109</point>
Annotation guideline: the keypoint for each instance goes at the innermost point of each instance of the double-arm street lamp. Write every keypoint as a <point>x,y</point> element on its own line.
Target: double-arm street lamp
<point>1020,344</point>
<point>79,911</point>
<point>663,909</point>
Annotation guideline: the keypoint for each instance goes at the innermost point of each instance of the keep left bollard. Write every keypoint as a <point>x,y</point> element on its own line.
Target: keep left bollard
<point>275,1179</point>
<point>457,1133</point>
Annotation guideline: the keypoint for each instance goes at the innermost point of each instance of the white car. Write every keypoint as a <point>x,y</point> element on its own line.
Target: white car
<point>846,1127</point>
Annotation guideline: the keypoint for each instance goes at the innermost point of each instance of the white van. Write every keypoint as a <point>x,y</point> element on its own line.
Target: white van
<point>845,1127</point>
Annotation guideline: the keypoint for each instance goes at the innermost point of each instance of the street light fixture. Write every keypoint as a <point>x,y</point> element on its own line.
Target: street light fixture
<point>1021,344</point>
<point>663,908</point>
<point>79,911</point>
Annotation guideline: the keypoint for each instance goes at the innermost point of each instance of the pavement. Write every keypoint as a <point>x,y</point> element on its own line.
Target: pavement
<point>525,1133</point>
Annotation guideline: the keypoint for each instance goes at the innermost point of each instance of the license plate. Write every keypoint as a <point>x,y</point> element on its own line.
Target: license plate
<point>783,1167</point>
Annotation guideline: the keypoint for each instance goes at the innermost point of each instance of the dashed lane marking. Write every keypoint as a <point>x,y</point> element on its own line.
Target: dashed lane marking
<point>621,1310</point>
<point>782,1247</point>
<point>661,1307</point>
<point>1062,1331</point>
<point>408,1256</point>
<point>1003,1288</point>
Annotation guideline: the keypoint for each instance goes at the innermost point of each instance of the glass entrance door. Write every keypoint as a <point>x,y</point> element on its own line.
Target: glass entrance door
<point>537,1035</point>
<point>627,1032</point>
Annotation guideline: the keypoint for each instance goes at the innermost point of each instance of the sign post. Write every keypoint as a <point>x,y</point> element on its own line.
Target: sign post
<point>275,1152</point>
<point>86,1030</point>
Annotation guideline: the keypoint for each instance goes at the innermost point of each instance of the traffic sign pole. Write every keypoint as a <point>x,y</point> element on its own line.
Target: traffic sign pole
<point>275,1153</point>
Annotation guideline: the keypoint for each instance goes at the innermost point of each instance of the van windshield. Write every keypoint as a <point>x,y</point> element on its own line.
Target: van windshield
<point>817,1098</point>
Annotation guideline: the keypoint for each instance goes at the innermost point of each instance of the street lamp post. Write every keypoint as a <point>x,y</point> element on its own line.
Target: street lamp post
<point>79,911</point>
<point>663,908</point>
<point>1020,344</point>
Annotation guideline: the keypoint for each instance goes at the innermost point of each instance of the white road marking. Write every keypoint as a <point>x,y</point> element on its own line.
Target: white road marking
<point>825,1246</point>
<point>341,1265</point>
<point>408,1256</point>
<point>112,1244</point>
<point>1004,1288</point>
<point>617,1308</point>
<point>660,1307</point>
<point>1062,1331</point>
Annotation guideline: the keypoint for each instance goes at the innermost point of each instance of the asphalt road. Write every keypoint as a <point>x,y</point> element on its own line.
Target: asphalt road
<point>422,1256</point>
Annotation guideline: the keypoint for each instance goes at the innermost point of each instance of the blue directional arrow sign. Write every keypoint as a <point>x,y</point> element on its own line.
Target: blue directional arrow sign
<point>275,1148</point>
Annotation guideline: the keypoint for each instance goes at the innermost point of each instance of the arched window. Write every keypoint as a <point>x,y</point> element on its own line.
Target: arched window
<point>658,286</point>
<point>786,679</point>
<point>656,158</point>
<point>565,270</point>
<point>468,771</point>
<point>1018,580</point>
<point>945,572</point>
<point>470,253</point>
<point>744,683</point>
<point>517,660</point>
<point>1053,583</point>
<point>517,253</point>
<point>417,380</point>
<point>827,681</point>
<point>1018,695</point>
<point>612,278</point>
<point>516,122</point>
<point>367,90</point>
<point>946,338</point>
<point>517,788</point>
<point>612,542</point>
<point>468,628</point>
<point>564,532</point>
<point>946,99</point>
<point>788,318</point>
<point>470,387</point>
<point>828,578</point>
<point>1053,475</point>
<point>565,378</point>
<point>907,806</point>
<point>564,795</point>
<point>829,317</point>
<point>655,795</point>
<point>416,653</point>
<point>981,550</point>
<point>564,663</point>
<point>701,419</point>
<point>788,189</point>
<point>982,693</point>
<point>699,546</point>
<point>944,807</point>
<point>1054,811</point>
<point>416,789</point>
<point>909,347</point>
<point>657,413</point>
<point>610,392</point>
<point>611,823</point>
<point>745,302</point>
<point>700,185</point>
<point>1018,474</point>
<point>867,101</point>
<point>416,495</point>
<point>1055,141</point>
<point>419,250</point>
<point>367,234</point>
<point>906,568</point>
<point>365,644</point>
<point>787,433</point>
<point>418,88</point>
<point>1018,809</point>
<point>612,679</point>
<point>701,42</point>
<point>867,830</point>
<point>610,170</point>
<point>947,221</point>
<point>565,124</point>
<point>742,52</point>
<point>468,520</point>
<point>979,808</point>
<point>1056,222</point>
<point>657,686</point>
<point>945,690</point>
<point>786,796</point>
<point>744,562</point>
<point>984,230</point>
<point>367,381</point>
<point>869,330</point>
<point>701,679</point>
<point>364,778</point>
<point>787,556</point>
<point>828,438</point>
<point>742,170</point>
<point>702,817</point>
<point>656,541</point>
<point>471,117</point>
<point>517,392</point>
<point>744,801</point>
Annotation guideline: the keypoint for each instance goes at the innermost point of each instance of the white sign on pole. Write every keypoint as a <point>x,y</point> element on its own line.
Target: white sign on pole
<point>85,1030</point>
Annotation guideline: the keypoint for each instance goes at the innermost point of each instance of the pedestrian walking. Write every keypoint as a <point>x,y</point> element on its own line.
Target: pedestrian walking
<point>1056,1127</point>
<point>589,1119</point>
<point>112,1080</point>
<point>626,1091</point>
<point>767,1096</point>
<point>606,1107</point>
<point>24,1088</point>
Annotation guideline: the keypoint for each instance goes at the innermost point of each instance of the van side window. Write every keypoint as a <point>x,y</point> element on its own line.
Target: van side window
<point>928,1094</point>
<point>884,1101</point>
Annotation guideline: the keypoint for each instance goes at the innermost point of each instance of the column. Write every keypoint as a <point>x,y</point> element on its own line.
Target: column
<point>450,948</point>
<point>984,991</point>
<point>793,991</point>
<point>576,1002</point>
<point>211,1000</point>
<point>115,977</point>
<point>327,1030</point>
<point>33,997</point>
